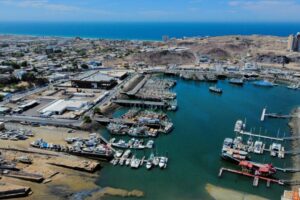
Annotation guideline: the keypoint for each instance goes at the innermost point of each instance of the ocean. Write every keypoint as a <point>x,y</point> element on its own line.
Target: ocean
<point>201,123</point>
<point>145,30</point>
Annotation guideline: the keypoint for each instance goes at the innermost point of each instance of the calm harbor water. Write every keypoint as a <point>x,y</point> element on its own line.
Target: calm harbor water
<point>145,30</point>
<point>202,122</point>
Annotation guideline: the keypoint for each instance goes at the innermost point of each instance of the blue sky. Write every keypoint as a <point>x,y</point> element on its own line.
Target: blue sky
<point>151,10</point>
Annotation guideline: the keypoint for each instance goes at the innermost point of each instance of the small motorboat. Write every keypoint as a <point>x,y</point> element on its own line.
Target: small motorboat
<point>215,90</point>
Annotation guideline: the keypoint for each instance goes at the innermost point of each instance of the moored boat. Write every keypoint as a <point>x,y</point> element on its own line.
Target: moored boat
<point>237,81</point>
<point>215,90</point>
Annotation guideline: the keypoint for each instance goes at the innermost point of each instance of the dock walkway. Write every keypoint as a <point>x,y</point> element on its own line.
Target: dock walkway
<point>256,177</point>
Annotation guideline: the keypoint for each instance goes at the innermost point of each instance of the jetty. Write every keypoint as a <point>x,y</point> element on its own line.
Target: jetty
<point>107,120</point>
<point>264,114</point>
<point>256,178</point>
<point>143,104</point>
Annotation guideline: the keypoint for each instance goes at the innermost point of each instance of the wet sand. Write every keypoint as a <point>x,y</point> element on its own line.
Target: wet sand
<point>295,127</point>
<point>220,193</point>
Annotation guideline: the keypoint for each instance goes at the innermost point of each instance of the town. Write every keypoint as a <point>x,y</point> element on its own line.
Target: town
<point>56,92</point>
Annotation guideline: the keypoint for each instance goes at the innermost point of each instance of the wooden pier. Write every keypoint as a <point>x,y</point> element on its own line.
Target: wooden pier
<point>256,178</point>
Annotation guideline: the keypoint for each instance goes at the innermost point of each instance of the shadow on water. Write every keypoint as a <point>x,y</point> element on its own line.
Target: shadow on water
<point>202,122</point>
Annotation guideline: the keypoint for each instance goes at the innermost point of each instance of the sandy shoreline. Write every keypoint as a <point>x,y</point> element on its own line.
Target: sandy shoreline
<point>295,127</point>
<point>220,193</point>
<point>64,183</point>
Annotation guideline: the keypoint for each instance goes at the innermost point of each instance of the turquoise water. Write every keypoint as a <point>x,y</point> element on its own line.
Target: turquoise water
<point>202,121</point>
<point>144,30</point>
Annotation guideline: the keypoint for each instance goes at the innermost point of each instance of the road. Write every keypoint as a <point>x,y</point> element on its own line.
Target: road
<point>111,95</point>
<point>40,120</point>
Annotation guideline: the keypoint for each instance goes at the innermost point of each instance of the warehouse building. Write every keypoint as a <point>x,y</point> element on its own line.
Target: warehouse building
<point>60,106</point>
<point>95,80</point>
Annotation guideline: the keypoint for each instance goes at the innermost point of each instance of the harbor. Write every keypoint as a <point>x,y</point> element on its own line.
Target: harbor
<point>205,124</point>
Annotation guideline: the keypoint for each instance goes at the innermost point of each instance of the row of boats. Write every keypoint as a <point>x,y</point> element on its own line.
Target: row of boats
<point>240,82</point>
<point>133,143</point>
<point>91,148</point>
<point>234,148</point>
<point>232,153</point>
<point>15,135</point>
<point>126,159</point>
<point>133,131</point>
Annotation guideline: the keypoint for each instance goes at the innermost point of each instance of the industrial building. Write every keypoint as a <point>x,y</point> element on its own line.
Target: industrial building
<point>95,80</point>
<point>60,106</point>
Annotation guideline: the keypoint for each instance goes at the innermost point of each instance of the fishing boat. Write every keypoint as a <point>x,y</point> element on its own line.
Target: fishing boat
<point>155,161</point>
<point>118,154</point>
<point>120,144</point>
<point>150,144</point>
<point>139,131</point>
<point>258,147</point>
<point>228,143</point>
<point>237,81</point>
<point>215,90</point>
<point>264,83</point>
<point>163,162</point>
<point>150,161</point>
<point>238,127</point>
<point>293,87</point>
<point>135,163</point>
<point>277,149</point>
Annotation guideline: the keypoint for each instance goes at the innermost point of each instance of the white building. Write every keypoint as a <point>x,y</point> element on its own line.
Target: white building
<point>60,106</point>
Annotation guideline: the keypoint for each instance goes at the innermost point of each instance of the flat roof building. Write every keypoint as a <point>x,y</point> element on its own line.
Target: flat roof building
<point>60,106</point>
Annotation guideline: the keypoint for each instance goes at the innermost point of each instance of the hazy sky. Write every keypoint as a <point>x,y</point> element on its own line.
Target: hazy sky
<point>150,10</point>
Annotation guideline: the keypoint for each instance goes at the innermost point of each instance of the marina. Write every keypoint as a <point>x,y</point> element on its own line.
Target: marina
<point>198,141</point>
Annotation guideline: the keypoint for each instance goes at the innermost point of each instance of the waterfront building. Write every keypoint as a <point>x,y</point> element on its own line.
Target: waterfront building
<point>60,106</point>
<point>94,80</point>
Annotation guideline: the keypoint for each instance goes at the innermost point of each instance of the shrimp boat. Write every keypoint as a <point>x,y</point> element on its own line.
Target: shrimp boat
<point>215,90</point>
